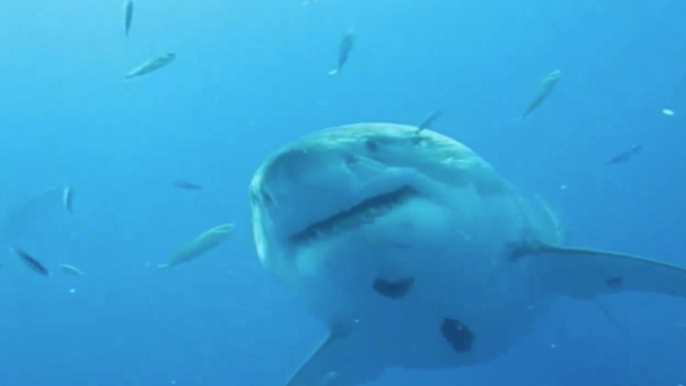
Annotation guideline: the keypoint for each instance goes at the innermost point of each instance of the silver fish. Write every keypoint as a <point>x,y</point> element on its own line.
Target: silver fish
<point>546,87</point>
<point>426,123</point>
<point>202,243</point>
<point>128,16</point>
<point>68,198</point>
<point>71,270</point>
<point>30,262</point>
<point>151,65</point>
<point>344,49</point>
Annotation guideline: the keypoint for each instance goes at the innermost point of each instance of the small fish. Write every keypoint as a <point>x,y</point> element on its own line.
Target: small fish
<point>428,121</point>
<point>151,65</point>
<point>71,270</point>
<point>202,243</point>
<point>328,378</point>
<point>68,198</point>
<point>30,262</point>
<point>182,184</point>
<point>625,156</point>
<point>128,16</point>
<point>546,87</point>
<point>344,49</point>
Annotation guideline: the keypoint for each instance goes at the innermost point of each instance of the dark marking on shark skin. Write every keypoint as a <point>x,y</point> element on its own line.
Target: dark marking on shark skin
<point>614,282</point>
<point>371,145</point>
<point>458,335</point>
<point>393,290</point>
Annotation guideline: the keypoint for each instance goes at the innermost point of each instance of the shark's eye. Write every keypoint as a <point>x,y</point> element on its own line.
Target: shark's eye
<point>371,145</point>
<point>257,193</point>
<point>267,198</point>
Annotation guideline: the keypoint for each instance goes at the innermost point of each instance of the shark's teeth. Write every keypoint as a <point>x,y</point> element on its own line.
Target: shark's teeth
<point>365,212</point>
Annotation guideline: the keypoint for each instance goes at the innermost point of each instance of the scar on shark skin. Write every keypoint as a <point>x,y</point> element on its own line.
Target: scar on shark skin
<point>393,290</point>
<point>458,335</point>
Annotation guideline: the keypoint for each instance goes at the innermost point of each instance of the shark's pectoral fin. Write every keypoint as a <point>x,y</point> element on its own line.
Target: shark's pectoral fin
<point>337,361</point>
<point>586,273</point>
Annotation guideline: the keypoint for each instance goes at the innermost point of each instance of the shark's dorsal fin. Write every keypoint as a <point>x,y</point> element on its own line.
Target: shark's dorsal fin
<point>587,273</point>
<point>336,362</point>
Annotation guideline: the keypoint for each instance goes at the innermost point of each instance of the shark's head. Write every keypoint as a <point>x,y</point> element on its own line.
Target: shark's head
<point>322,202</point>
<point>415,253</point>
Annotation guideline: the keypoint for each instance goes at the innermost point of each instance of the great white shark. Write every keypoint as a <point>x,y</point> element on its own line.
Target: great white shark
<point>416,253</point>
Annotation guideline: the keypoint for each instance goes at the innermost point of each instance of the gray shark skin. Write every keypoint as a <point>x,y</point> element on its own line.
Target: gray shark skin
<point>416,253</point>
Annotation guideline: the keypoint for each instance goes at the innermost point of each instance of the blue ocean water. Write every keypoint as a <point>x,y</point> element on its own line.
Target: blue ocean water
<point>251,76</point>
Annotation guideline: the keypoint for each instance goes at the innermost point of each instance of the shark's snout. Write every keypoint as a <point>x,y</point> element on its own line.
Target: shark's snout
<point>301,186</point>
<point>309,191</point>
<point>300,175</point>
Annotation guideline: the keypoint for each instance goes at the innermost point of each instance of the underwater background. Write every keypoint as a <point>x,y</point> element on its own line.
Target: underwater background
<point>251,76</point>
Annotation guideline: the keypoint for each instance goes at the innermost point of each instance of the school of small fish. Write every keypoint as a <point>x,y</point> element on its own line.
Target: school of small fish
<point>344,49</point>
<point>197,246</point>
<point>214,236</point>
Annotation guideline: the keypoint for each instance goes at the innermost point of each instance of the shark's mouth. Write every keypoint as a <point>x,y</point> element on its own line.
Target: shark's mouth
<point>363,213</point>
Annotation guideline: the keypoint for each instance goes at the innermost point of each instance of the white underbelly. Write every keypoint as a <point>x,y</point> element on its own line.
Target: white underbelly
<point>458,275</point>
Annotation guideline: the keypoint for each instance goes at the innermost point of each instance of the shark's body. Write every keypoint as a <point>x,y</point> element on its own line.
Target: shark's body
<point>415,252</point>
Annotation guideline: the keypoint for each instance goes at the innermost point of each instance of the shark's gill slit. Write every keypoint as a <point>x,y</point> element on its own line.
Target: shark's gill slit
<point>358,215</point>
